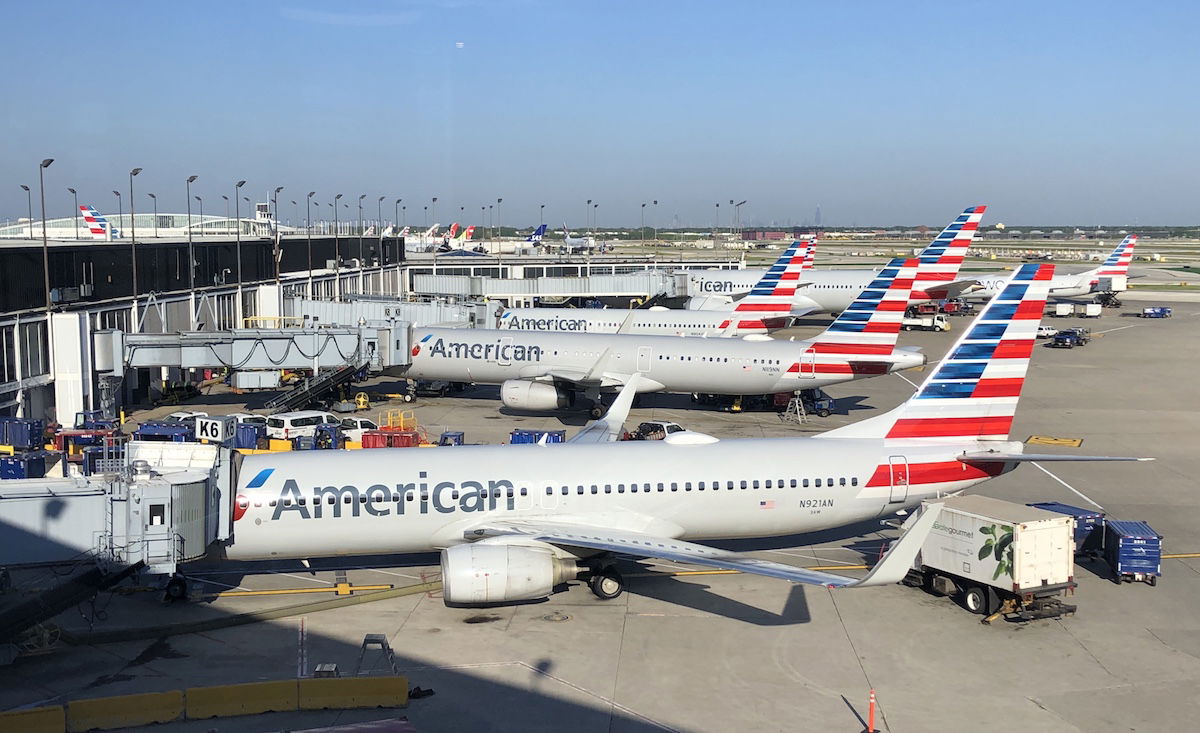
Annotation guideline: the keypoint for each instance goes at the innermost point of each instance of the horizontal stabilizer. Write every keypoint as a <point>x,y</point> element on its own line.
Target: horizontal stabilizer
<point>998,457</point>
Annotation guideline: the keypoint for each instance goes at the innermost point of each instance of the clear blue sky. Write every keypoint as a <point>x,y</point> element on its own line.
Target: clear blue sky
<point>881,112</point>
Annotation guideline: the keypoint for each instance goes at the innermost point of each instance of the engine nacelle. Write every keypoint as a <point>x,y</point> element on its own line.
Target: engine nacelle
<point>522,394</point>
<point>498,573</point>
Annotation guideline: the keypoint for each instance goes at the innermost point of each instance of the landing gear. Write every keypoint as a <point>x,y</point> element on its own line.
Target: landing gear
<point>606,583</point>
<point>596,412</point>
<point>176,589</point>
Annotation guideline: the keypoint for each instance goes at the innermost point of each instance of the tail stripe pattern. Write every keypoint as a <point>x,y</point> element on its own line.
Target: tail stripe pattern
<point>871,323</point>
<point>941,260</point>
<point>1118,262</point>
<point>974,390</point>
<point>770,300</point>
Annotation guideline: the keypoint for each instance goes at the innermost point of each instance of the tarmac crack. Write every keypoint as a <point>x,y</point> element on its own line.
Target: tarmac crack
<point>1083,646</point>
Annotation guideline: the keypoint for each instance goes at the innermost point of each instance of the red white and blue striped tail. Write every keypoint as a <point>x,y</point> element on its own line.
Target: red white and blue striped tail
<point>1118,262</point>
<point>973,392</point>
<point>96,223</point>
<point>871,324</point>
<point>769,302</point>
<point>941,260</point>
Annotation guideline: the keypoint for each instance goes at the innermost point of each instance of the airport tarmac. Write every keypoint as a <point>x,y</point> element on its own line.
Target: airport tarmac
<point>717,652</point>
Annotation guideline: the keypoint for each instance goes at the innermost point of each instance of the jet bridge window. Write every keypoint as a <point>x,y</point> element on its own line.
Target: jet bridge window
<point>158,514</point>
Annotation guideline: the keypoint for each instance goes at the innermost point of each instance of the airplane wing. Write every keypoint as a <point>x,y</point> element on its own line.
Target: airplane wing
<point>608,428</point>
<point>959,288</point>
<point>998,457</point>
<point>891,568</point>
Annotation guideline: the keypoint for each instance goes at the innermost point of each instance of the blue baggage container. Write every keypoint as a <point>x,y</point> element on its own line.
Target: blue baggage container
<point>167,431</point>
<point>304,442</point>
<point>23,465</point>
<point>1089,524</point>
<point>520,437</point>
<point>22,433</point>
<point>1133,550</point>
<point>246,435</point>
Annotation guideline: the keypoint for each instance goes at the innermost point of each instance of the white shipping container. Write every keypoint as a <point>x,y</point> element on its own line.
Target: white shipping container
<point>1009,546</point>
<point>1063,309</point>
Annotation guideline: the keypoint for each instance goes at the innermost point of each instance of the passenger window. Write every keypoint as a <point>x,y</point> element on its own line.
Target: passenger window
<point>767,485</point>
<point>817,483</point>
<point>830,482</point>
<point>620,488</point>
<point>270,503</point>
<point>792,483</point>
<point>660,487</point>
<point>595,489</point>
<point>841,482</point>
<point>607,488</point>
<point>854,481</point>
<point>744,484</point>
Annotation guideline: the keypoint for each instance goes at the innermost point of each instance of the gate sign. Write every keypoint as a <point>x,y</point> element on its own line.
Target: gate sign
<point>214,429</point>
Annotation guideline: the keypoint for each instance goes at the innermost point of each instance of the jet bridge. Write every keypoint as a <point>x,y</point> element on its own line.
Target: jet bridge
<point>379,348</point>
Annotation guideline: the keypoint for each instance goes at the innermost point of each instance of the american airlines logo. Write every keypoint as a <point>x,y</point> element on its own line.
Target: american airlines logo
<point>556,323</point>
<point>381,500</point>
<point>716,286</point>
<point>503,351</point>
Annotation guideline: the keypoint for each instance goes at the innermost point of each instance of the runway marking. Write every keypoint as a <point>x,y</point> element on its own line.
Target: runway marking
<point>1118,328</point>
<point>1080,494</point>
<point>1050,440</point>
<point>301,577</point>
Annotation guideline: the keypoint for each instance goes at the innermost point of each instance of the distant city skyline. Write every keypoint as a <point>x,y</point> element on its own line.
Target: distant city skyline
<point>877,113</point>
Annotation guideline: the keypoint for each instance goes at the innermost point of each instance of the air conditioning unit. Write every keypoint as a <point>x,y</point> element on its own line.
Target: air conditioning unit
<point>64,295</point>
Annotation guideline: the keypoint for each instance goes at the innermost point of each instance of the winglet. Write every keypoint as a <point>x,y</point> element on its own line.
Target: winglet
<point>608,428</point>
<point>898,560</point>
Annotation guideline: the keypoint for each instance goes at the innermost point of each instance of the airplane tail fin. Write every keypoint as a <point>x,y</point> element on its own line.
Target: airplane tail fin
<point>537,234</point>
<point>467,233</point>
<point>972,393</point>
<point>941,260</point>
<point>871,325</point>
<point>453,230</point>
<point>1117,264</point>
<point>97,224</point>
<point>770,300</point>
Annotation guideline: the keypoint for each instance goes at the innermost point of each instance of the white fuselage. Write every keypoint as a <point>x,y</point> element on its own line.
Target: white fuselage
<point>666,363</point>
<point>827,291</point>
<point>1061,286</point>
<point>649,322</point>
<point>324,503</point>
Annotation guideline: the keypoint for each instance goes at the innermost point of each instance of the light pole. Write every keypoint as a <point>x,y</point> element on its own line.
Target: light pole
<point>587,211</point>
<point>655,202</point>
<point>277,253</point>
<point>201,201</point>
<point>308,231</point>
<point>642,231</point>
<point>29,201</point>
<point>226,211</point>
<point>595,215</point>
<point>499,228</point>
<point>76,217</point>
<point>237,216</point>
<point>403,216</point>
<point>154,199</point>
<point>541,214</point>
<point>737,208</point>
<point>483,222</point>
<point>187,185</point>
<point>45,246</point>
<point>337,252</point>
<point>360,234</point>
<point>426,218</point>
<point>396,218</point>
<point>275,205</point>
<point>435,209</point>
<point>379,223</point>
<point>717,226</point>
<point>295,210</point>
<point>491,221</point>
<point>120,213</point>
<point>132,225</point>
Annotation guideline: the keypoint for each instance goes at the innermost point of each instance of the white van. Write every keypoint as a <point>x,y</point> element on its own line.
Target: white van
<point>288,425</point>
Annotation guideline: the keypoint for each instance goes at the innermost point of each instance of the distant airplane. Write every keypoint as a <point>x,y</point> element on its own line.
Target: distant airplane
<point>1111,277</point>
<point>465,235</point>
<point>573,242</point>
<point>98,226</point>
<point>513,522</point>
<point>536,237</point>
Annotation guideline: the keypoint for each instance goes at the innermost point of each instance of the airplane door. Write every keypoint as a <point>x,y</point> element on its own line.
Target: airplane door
<point>898,466</point>
<point>504,353</point>
<point>808,364</point>
<point>643,359</point>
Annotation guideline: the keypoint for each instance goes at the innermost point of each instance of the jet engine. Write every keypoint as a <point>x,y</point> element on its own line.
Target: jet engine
<point>498,573</point>
<point>522,394</point>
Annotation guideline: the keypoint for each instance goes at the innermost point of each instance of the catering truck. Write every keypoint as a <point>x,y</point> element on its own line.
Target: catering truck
<point>997,558</point>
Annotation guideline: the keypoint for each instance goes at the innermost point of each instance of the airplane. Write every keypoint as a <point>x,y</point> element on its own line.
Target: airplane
<point>452,231</point>
<point>513,522</point>
<point>546,371</point>
<point>536,237</point>
<point>573,242</point>
<point>449,242</point>
<point>766,308</point>
<point>831,291</point>
<point>1111,277</point>
<point>466,234</point>
<point>97,224</point>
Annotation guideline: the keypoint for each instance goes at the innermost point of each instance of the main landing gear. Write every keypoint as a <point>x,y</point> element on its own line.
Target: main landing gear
<point>606,581</point>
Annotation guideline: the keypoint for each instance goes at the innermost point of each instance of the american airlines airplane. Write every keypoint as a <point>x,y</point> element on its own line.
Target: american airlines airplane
<point>1111,277</point>
<point>831,291</point>
<point>546,371</point>
<point>767,307</point>
<point>97,224</point>
<point>513,522</point>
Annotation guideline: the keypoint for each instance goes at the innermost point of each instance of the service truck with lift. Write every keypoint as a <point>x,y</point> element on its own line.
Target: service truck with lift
<point>999,559</point>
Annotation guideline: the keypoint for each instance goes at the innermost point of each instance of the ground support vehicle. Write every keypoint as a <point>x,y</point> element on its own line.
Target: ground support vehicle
<point>1069,338</point>
<point>936,322</point>
<point>1133,551</point>
<point>1063,310</point>
<point>1157,311</point>
<point>999,559</point>
<point>654,430</point>
<point>1088,310</point>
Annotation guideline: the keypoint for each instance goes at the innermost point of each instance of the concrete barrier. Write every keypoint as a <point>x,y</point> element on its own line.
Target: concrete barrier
<point>108,713</point>
<point>248,699</point>
<point>35,720</point>
<point>353,692</point>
